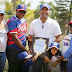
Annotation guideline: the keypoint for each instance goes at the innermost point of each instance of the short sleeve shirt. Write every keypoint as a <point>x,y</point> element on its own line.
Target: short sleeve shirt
<point>3,38</point>
<point>50,30</point>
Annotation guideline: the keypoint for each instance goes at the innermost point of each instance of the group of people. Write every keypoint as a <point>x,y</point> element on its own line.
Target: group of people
<point>13,42</point>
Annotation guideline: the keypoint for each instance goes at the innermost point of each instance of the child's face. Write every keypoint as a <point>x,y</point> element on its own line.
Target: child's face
<point>54,50</point>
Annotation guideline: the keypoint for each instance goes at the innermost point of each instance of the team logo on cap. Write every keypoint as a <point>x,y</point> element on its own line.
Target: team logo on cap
<point>22,5</point>
<point>45,4</point>
<point>54,44</point>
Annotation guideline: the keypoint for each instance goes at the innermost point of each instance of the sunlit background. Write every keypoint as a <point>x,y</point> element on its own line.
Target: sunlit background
<point>34,3</point>
<point>60,10</point>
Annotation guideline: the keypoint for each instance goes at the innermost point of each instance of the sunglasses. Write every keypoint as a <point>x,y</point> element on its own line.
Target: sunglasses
<point>1,14</point>
<point>22,12</point>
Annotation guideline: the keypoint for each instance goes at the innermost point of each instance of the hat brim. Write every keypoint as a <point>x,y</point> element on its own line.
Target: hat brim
<point>55,47</point>
<point>2,12</point>
<point>69,23</point>
<point>45,7</point>
<point>21,9</point>
<point>29,56</point>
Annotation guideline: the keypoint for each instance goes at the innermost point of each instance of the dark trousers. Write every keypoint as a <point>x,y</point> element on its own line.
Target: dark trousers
<point>39,66</point>
<point>14,65</point>
<point>2,60</point>
<point>64,65</point>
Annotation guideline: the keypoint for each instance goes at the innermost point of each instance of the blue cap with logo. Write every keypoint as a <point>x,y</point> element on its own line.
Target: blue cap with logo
<point>24,55</point>
<point>44,5</point>
<point>2,10</point>
<point>54,44</point>
<point>21,7</point>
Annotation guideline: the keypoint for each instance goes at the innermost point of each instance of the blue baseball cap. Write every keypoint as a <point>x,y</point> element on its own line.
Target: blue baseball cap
<point>44,5</point>
<point>2,10</point>
<point>24,55</point>
<point>21,7</point>
<point>54,44</point>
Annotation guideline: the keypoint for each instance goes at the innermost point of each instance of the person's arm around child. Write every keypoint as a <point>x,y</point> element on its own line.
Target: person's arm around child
<point>47,60</point>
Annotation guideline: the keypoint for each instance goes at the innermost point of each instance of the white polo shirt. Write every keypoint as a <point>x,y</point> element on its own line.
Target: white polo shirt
<point>50,30</point>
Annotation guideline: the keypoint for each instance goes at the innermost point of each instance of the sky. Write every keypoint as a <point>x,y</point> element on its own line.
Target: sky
<point>34,3</point>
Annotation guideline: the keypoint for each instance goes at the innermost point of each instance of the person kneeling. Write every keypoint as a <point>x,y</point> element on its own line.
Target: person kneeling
<point>26,60</point>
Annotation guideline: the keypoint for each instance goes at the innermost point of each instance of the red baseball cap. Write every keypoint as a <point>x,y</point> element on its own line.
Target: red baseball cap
<point>70,22</point>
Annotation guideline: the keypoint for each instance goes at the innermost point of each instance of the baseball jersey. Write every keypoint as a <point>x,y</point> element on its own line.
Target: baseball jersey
<point>18,26</point>
<point>68,54</point>
<point>66,43</point>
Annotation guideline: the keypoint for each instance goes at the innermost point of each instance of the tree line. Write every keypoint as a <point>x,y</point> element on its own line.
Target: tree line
<point>60,12</point>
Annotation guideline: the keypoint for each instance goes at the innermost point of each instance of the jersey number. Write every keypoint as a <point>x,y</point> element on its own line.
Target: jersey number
<point>66,44</point>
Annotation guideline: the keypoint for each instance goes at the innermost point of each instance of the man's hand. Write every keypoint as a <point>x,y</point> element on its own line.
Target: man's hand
<point>36,56</point>
<point>38,53</point>
<point>46,59</point>
<point>29,52</point>
<point>58,38</point>
<point>30,37</point>
<point>47,48</point>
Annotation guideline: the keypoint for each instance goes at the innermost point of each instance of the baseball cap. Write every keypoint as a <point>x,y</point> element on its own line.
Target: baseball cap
<point>21,7</point>
<point>44,5</point>
<point>24,55</point>
<point>54,44</point>
<point>2,10</point>
<point>70,22</point>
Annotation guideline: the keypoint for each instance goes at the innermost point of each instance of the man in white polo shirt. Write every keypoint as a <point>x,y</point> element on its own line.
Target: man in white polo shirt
<point>47,28</point>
